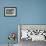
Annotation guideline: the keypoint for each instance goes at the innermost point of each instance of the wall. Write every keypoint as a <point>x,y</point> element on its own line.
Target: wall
<point>8,24</point>
<point>33,12</point>
<point>28,12</point>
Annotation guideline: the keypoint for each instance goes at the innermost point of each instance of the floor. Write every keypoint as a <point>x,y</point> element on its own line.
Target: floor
<point>7,45</point>
<point>30,43</point>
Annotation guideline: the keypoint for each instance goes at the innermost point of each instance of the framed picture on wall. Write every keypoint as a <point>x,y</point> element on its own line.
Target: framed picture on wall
<point>10,11</point>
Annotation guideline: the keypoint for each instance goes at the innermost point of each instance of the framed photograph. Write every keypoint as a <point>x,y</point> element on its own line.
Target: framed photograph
<point>10,11</point>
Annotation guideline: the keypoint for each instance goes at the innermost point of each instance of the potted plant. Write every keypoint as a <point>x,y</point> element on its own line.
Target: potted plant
<point>11,37</point>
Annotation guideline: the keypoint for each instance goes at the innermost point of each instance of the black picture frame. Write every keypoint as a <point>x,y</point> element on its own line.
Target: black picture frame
<point>9,9</point>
